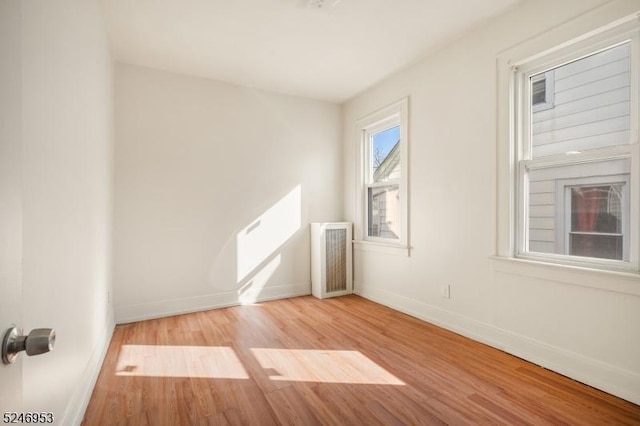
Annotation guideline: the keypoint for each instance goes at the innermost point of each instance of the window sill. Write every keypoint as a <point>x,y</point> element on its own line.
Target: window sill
<point>620,282</point>
<point>396,249</point>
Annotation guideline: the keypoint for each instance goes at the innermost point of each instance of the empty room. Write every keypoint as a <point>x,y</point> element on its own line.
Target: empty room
<point>301,212</point>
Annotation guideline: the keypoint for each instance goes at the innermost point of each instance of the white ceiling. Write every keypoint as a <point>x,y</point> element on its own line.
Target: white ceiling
<point>328,53</point>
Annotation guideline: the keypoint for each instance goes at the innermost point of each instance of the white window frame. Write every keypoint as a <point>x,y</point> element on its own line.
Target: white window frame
<point>521,111</point>
<point>388,117</point>
<point>369,183</point>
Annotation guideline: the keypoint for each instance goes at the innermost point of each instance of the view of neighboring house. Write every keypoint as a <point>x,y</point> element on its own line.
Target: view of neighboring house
<point>581,106</point>
<point>384,200</point>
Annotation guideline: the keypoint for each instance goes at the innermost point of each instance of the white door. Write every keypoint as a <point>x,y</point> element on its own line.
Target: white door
<point>10,196</point>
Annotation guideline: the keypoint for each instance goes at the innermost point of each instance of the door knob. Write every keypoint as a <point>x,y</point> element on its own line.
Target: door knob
<point>39,341</point>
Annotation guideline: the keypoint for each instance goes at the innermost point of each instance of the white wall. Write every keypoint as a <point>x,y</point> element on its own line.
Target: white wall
<point>215,186</point>
<point>583,324</point>
<point>67,128</point>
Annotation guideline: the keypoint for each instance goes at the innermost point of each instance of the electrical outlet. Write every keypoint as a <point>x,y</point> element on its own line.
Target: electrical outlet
<point>445,291</point>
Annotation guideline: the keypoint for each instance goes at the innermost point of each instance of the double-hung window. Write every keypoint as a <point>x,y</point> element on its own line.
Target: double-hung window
<point>576,133</point>
<point>384,175</point>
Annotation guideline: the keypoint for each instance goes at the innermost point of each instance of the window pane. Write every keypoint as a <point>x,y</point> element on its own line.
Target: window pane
<point>384,211</point>
<point>590,108</point>
<point>576,198</point>
<point>597,209</point>
<point>600,246</point>
<point>385,154</point>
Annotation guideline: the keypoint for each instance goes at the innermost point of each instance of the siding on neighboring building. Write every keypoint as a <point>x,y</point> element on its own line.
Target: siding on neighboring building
<point>542,215</point>
<point>384,218</point>
<point>588,107</point>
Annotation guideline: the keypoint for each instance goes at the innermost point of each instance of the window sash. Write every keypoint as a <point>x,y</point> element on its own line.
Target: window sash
<point>549,61</point>
<point>523,110</point>
<point>566,185</point>
<point>391,116</point>
<point>389,123</point>
<point>629,261</point>
<point>369,210</point>
<point>604,234</point>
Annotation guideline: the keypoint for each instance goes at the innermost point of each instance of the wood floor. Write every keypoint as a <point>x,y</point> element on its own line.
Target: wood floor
<point>337,361</point>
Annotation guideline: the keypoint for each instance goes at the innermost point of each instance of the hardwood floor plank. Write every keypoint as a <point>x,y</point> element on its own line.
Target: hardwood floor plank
<point>305,361</point>
<point>291,408</point>
<point>322,410</point>
<point>504,410</point>
<point>593,403</point>
<point>346,403</point>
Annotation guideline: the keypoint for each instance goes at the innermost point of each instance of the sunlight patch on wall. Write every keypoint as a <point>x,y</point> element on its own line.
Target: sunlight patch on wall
<point>264,235</point>
<point>216,362</point>
<point>250,292</point>
<point>323,366</point>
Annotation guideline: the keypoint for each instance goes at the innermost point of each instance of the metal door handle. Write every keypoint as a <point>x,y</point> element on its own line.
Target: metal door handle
<point>39,341</point>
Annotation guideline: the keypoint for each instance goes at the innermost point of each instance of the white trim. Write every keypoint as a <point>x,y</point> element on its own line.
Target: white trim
<point>614,380</point>
<point>593,22</point>
<point>579,275</point>
<point>166,308</point>
<point>618,152</point>
<point>379,247</point>
<point>384,118</point>
<point>382,114</point>
<point>634,184</point>
<point>626,31</point>
<point>560,257</point>
<point>319,258</point>
<point>572,49</point>
<point>586,263</point>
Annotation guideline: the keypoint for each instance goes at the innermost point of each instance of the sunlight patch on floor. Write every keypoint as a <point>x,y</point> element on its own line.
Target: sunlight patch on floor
<point>216,362</point>
<point>323,366</point>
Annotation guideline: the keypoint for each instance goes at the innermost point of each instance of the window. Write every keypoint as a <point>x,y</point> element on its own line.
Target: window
<point>576,120</point>
<point>384,175</point>
<point>596,221</point>
<point>542,91</point>
<point>383,184</point>
<point>539,90</point>
<point>593,217</point>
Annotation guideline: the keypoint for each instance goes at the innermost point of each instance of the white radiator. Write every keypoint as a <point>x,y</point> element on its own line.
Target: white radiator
<point>331,273</point>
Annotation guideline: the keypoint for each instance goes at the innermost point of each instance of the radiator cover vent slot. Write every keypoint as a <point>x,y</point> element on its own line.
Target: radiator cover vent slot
<point>331,273</point>
<point>336,257</point>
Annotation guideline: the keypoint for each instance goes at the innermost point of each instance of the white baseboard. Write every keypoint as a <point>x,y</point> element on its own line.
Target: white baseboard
<point>79,401</point>
<point>166,308</point>
<point>611,379</point>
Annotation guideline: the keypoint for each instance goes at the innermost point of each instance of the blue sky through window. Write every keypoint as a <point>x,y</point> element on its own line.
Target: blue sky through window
<point>383,142</point>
